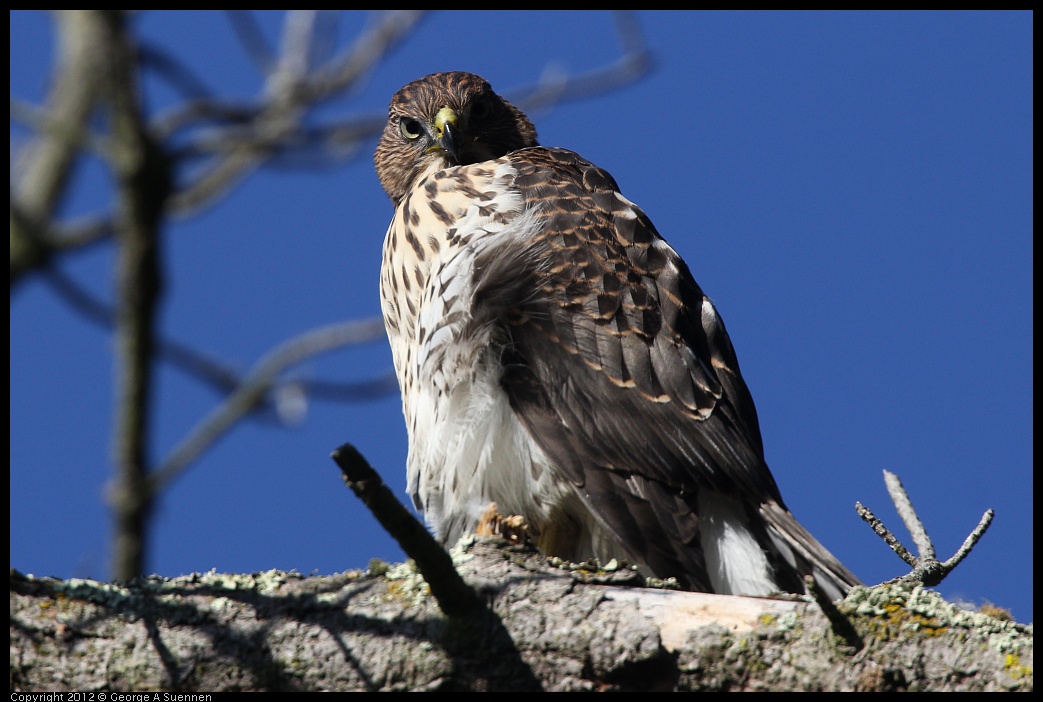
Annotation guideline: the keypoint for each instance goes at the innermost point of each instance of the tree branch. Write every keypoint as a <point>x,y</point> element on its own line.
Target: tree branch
<point>926,567</point>
<point>905,509</point>
<point>222,377</point>
<point>43,182</point>
<point>554,88</point>
<point>454,596</point>
<point>254,388</point>
<point>382,630</point>
<point>289,96</point>
<point>144,183</point>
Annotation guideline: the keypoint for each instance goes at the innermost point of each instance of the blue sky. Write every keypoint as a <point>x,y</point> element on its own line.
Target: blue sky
<point>853,189</point>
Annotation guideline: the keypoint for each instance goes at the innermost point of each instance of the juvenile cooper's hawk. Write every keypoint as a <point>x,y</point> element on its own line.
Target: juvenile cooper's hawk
<point>557,357</point>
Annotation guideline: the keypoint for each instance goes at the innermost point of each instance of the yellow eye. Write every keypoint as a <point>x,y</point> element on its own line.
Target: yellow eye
<point>411,129</point>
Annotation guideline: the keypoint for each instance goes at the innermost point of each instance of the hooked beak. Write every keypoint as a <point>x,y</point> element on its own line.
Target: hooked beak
<point>447,133</point>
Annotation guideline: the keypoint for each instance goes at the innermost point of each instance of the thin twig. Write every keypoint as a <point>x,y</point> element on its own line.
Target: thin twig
<point>288,100</point>
<point>971,540</point>
<point>455,597</point>
<point>298,32</point>
<point>555,89</point>
<point>349,67</point>
<point>475,625</point>
<point>255,387</point>
<point>219,376</point>
<point>904,505</point>
<point>176,74</point>
<point>44,180</point>
<point>927,569</point>
<point>252,39</point>
<point>884,533</point>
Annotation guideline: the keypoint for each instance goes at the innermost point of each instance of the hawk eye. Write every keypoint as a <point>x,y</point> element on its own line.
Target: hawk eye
<point>411,129</point>
<point>480,109</point>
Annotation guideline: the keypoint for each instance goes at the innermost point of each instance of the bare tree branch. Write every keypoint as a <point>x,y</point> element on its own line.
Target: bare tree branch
<point>288,97</point>
<point>212,112</point>
<point>354,63</point>
<point>382,630</point>
<point>255,387</point>
<point>905,510</point>
<point>144,181</point>
<point>968,543</point>
<point>36,194</point>
<point>454,596</point>
<point>252,39</point>
<point>222,377</point>
<point>926,567</point>
<point>173,72</point>
<point>555,88</point>
<point>233,139</point>
<point>884,533</point>
<point>294,61</point>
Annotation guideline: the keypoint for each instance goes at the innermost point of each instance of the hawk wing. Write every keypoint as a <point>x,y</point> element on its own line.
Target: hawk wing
<point>621,369</point>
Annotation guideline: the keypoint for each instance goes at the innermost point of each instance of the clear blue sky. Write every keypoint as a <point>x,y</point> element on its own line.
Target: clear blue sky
<point>854,190</point>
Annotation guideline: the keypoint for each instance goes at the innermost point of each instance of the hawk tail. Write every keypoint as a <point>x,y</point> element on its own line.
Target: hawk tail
<point>802,555</point>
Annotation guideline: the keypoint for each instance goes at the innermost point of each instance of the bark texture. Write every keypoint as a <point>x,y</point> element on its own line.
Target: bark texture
<point>546,627</point>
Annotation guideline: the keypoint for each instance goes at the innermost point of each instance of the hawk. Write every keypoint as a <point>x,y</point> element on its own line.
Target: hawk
<point>557,358</point>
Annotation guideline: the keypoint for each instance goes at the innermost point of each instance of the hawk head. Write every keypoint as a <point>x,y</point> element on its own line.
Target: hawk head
<point>446,119</point>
